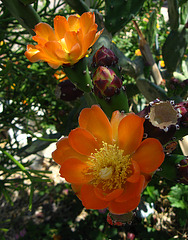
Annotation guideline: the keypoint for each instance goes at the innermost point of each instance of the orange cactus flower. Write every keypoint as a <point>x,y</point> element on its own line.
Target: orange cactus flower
<point>107,162</point>
<point>67,43</point>
<point>60,75</point>
<point>138,52</point>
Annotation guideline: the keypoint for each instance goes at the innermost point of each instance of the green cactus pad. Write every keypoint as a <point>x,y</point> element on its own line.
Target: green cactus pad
<point>150,90</point>
<point>118,13</point>
<point>174,48</point>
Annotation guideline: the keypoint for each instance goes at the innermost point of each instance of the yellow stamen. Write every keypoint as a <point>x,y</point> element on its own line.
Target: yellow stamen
<point>109,167</point>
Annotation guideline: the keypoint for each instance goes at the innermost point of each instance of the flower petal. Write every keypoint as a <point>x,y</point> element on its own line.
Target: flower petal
<point>95,121</point>
<point>44,33</point>
<point>109,196</point>
<point>149,155</point>
<point>82,141</point>
<point>89,198</point>
<point>64,151</point>
<point>73,169</point>
<point>115,120</point>
<point>96,37</point>
<point>130,133</point>
<point>75,53</point>
<point>53,65</point>
<point>49,51</point>
<point>132,190</point>
<point>77,189</point>
<point>61,26</point>
<point>87,20</point>
<point>70,40</point>
<point>124,207</point>
<point>135,174</point>
<point>64,56</point>
<point>87,41</point>
<point>32,53</point>
<point>74,23</point>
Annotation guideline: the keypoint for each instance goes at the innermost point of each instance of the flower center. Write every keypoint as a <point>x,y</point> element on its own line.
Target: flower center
<point>109,167</point>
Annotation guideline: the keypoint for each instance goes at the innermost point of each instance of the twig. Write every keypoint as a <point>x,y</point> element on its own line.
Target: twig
<point>146,52</point>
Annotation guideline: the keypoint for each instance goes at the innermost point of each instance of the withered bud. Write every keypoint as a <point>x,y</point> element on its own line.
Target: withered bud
<point>67,91</point>
<point>106,82</point>
<point>120,219</point>
<point>104,57</point>
<point>162,120</point>
<point>162,115</point>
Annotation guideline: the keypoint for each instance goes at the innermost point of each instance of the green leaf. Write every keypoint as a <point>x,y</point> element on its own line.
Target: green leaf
<point>178,196</point>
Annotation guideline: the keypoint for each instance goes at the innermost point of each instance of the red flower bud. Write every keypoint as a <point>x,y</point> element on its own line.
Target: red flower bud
<point>183,110</point>
<point>106,82</point>
<point>104,57</point>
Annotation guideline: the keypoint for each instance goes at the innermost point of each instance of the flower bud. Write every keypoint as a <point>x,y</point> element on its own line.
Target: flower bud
<point>182,171</point>
<point>161,120</point>
<point>106,82</point>
<point>104,57</point>
<point>67,91</point>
